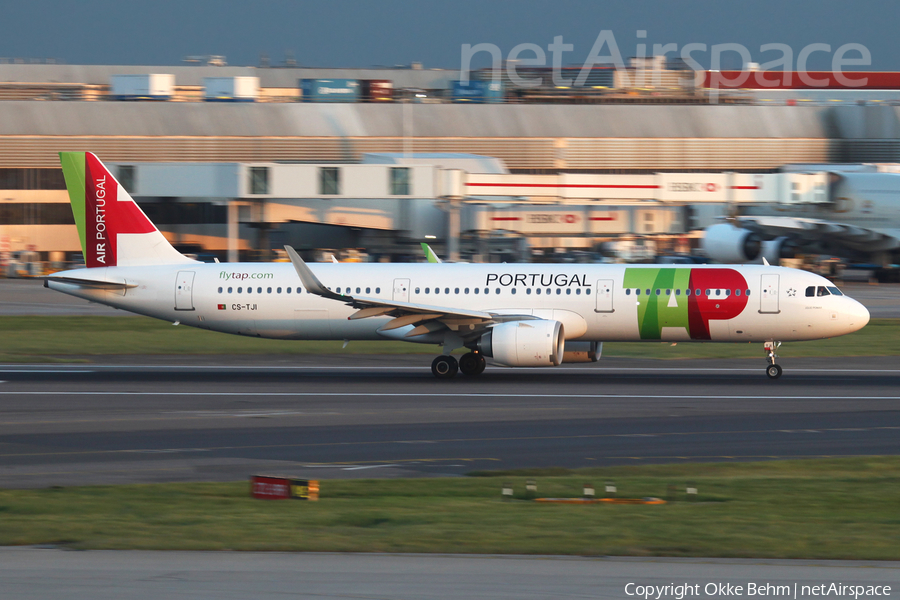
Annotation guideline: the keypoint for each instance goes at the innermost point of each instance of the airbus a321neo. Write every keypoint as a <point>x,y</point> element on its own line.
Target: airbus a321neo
<point>521,315</point>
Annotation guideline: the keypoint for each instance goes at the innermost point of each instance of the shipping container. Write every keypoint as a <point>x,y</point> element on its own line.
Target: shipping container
<point>377,90</point>
<point>154,86</point>
<point>330,90</point>
<point>477,92</point>
<point>231,89</point>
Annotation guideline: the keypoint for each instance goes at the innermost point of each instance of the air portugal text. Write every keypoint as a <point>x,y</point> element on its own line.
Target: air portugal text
<point>100,218</point>
<point>537,279</point>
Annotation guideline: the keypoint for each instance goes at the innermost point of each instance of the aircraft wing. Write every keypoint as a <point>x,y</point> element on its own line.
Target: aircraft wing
<point>818,230</point>
<point>427,318</point>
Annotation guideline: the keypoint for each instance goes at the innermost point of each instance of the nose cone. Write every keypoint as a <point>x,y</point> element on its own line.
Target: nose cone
<point>857,315</point>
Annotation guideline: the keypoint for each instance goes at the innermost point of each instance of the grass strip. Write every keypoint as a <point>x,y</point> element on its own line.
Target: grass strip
<point>817,509</point>
<point>27,339</point>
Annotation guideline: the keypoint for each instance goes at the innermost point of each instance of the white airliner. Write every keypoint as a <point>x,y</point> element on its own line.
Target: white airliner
<point>521,315</point>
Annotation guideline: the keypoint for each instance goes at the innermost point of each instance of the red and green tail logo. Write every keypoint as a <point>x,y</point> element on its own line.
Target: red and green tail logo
<point>103,210</point>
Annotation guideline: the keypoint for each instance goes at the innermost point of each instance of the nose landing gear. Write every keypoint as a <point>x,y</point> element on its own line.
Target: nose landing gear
<point>773,370</point>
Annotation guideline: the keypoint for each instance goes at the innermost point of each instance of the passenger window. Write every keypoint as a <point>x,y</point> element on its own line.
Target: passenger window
<point>528,291</point>
<point>737,292</point>
<point>220,290</point>
<point>368,290</point>
<point>466,290</point>
<point>427,290</point>
<point>487,290</point>
<point>249,290</point>
<point>269,290</point>
<point>687,292</point>
<point>437,290</point>
<point>476,290</point>
<point>229,290</point>
<point>718,292</point>
<point>746,292</point>
<point>657,291</point>
<point>727,293</point>
<point>537,291</point>
<point>357,290</point>
<point>299,290</point>
<point>278,290</point>
<point>417,290</point>
<point>513,291</point>
<point>578,291</point>
<point>497,291</point>
<point>288,290</point>
<point>668,292</point>
<point>707,293</point>
<point>338,290</point>
<point>558,291</point>
<point>446,290</point>
<point>648,292</point>
<point>627,291</point>
<point>811,291</point>
<point>456,290</point>
<point>637,292</point>
<point>239,290</point>
<point>259,290</point>
<point>569,291</point>
<point>678,292</point>
<point>378,290</point>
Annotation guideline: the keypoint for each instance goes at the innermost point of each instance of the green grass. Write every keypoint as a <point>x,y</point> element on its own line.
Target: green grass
<point>27,339</point>
<point>824,509</point>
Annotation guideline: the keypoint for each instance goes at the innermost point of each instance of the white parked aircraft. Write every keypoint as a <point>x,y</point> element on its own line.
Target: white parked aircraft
<point>521,315</point>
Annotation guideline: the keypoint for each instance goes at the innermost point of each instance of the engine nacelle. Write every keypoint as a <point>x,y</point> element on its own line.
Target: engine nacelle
<point>534,343</point>
<point>581,352</point>
<point>781,247</point>
<point>726,243</point>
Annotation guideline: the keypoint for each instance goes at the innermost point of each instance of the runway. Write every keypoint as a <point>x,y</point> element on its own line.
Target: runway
<point>221,419</point>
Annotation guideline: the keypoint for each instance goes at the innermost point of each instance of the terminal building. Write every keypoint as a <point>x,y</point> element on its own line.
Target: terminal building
<point>479,181</point>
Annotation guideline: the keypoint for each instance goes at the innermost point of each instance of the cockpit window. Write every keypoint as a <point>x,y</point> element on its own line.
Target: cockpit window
<point>835,291</point>
<point>811,291</point>
<point>822,291</point>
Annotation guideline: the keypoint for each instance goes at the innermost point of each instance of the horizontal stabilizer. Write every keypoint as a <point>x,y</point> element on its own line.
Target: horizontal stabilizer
<point>96,284</point>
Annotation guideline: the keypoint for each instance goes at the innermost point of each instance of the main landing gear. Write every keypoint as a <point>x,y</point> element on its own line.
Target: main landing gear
<point>446,367</point>
<point>774,369</point>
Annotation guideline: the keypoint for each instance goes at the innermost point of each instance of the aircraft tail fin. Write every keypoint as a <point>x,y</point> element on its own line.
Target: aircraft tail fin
<point>112,228</point>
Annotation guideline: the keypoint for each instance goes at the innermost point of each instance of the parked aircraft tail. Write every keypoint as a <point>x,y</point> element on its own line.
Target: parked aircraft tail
<point>112,228</point>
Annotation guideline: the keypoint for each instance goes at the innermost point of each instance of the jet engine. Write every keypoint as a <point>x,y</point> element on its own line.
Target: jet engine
<point>780,247</point>
<point>726,243</point>
<point>533,343</point>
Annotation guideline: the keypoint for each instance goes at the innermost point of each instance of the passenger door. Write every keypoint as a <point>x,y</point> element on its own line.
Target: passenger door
<point>768,294</point>
<point>401,290</point>
<point>184,292</point>
<point>604,296</point>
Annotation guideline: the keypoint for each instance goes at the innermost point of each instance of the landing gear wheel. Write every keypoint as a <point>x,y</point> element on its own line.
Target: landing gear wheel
<point>773,371</point>
<point>444,367</point>
<point>471,364</point>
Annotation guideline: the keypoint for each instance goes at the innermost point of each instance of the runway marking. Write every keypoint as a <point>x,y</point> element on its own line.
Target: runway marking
<point>94,368</point>
<point>438,441</point>
<point>463,393</point>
